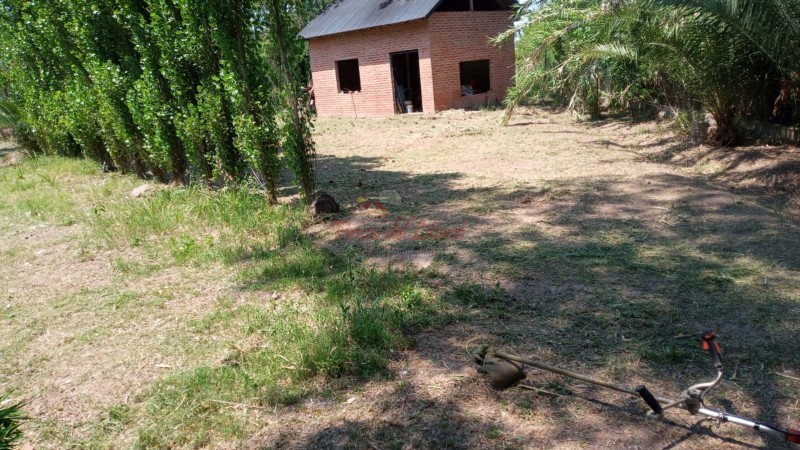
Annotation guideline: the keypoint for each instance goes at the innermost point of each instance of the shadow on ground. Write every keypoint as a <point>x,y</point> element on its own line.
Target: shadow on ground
<point>597,274</point>
<point>10,153</point>
<point>770,173</point>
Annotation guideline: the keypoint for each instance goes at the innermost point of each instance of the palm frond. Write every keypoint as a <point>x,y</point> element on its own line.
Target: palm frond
<point>609,50</point>
<point>771,25</point>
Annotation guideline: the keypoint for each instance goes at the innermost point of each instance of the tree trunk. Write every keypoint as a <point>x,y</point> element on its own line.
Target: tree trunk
<point>727,132</point>
<point>304,168</point>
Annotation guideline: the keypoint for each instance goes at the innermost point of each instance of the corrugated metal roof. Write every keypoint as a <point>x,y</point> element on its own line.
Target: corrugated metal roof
<point>350,15</point>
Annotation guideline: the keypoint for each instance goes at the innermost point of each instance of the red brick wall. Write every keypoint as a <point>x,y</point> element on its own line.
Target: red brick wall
<point>443,41</point>
<point>463,36</point>
<point>372,48</point>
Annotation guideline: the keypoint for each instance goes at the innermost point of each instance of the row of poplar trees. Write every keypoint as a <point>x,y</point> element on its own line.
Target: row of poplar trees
<point>205,91</point>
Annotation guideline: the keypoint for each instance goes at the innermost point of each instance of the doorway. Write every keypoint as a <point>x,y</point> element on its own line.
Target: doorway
<point>406,81</point>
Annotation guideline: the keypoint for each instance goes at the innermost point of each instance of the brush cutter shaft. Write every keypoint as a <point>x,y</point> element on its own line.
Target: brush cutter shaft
<point>566,373</point>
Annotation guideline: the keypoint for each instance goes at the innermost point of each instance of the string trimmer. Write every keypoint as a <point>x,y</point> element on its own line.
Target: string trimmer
<point>505,369</point>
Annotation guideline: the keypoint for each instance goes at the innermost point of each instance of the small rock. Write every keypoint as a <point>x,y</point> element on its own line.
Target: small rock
<point>351,400</point>
<point>140,191</point>
<point>324,204</point>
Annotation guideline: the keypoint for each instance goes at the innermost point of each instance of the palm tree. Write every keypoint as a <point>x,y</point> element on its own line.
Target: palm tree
<point>712,50</point>
<point>771,25</point>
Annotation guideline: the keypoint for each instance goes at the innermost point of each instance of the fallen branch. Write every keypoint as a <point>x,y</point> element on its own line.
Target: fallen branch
<point>540,391</point>
<point>223,402</point>
<point>786,376</point>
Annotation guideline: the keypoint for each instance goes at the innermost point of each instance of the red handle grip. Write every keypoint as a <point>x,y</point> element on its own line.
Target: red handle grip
<point>710,343</point>
<point>793,436</point>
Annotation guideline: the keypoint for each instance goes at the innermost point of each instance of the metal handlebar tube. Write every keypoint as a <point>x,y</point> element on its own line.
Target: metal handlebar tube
<point>698,391</point>
<point>703,388</point>
<point>788,435</point>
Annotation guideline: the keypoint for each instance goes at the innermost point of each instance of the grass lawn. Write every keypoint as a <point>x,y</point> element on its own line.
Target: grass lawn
<point>188,301</point>
<point>192,318</point>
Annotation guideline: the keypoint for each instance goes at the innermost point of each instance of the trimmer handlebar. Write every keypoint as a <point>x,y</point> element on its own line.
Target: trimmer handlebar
<point>650,399</point>
<point>690,400</point>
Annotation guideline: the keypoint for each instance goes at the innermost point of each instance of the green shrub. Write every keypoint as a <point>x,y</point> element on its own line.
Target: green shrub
<point>10,420</point>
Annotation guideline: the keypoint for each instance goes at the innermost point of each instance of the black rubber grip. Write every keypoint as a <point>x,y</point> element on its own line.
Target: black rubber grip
<point>717,357</point>
<point>649,399</point>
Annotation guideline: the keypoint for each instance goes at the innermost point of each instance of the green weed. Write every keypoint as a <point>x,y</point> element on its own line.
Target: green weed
<point>193,225</point>
<point>10,421</point>
<point>292,343</point>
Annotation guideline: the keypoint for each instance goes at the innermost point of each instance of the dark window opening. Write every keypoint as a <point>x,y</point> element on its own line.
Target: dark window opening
<point>407,84</point>
<point>348,76</point>
<point>475,77</point>
<point>473,5</point>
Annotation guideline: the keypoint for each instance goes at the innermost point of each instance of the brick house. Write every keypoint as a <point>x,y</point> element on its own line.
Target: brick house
<point>378,57</point>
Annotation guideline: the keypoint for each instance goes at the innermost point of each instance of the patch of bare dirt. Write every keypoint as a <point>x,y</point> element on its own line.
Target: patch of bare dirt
<point>769,171</point>
<point>79,343</point>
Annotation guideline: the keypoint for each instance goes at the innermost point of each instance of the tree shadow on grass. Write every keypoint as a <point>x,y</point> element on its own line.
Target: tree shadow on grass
<point>7,152</point>
<point>406,418</point>
<point>596,275</point>
<point>618,282</point>
<point>758,169</point>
